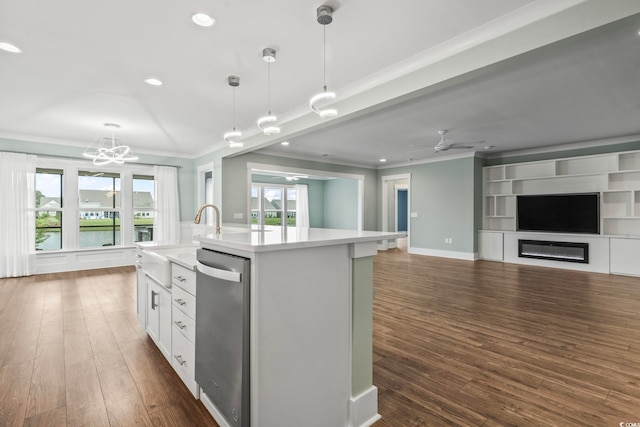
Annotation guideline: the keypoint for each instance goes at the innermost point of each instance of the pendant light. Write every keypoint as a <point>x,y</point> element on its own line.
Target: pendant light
<point>324,17</point>
<point>107,150</point>
<point>268,56</point>
<point>234,82</point>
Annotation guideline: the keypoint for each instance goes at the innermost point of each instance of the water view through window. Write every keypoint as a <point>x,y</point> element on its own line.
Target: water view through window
<point>48,209</point>
<point>96,218</point>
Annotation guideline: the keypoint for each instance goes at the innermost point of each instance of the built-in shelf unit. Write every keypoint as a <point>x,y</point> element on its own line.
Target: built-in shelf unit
<point>616,176</point>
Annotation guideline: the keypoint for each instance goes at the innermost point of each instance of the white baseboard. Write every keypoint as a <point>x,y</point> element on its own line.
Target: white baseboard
<point>469,256</point>
<point>363,408</point>
<point>84,259</point>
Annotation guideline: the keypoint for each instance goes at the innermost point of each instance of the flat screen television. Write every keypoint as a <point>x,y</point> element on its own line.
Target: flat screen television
<point>559,213</point>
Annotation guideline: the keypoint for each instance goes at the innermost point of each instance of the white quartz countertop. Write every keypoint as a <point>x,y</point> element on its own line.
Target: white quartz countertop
<point>183,254</point>
<point>274,238</point>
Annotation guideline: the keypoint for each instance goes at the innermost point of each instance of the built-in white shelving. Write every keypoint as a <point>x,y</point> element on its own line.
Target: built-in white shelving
<point>616,176</point>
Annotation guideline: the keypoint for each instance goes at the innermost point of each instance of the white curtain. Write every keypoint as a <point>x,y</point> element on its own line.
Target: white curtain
<point>166,227</point>
<point>302,205</point>
<point>17,214</point>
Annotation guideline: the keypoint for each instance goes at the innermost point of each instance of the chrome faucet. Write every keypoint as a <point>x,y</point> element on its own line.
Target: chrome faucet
<point>199,214</point>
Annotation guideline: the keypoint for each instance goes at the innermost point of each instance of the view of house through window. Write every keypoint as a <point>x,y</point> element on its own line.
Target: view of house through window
<point>271,203</point>
<point>95,220</point>
<point>99,206</point>
<point>48,209</point>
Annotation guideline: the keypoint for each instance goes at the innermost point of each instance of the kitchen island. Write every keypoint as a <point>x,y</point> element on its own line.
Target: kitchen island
<point>310,324</point>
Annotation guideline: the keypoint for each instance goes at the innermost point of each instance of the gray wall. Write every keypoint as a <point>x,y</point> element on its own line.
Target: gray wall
<point>341,204</point>
<point>186,172</point>
<point>443,195</point>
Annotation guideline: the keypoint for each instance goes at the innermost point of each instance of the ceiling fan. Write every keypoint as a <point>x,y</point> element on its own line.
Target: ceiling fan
<point>290,177</point>
<point>446,144</point>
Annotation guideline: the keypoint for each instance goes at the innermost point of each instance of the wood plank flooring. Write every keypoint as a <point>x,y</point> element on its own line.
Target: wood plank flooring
<point>72,353</point>
<point>489,344</point>
<point>455,343</point>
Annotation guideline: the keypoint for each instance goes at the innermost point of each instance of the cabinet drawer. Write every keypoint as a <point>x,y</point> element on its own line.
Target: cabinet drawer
<point>184,324</point>
<point>184,278</point>
<point>183,360</point>
<point>184,301</point>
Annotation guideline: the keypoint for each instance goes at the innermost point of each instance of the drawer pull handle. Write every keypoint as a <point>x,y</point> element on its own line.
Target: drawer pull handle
<point>179,278</point>
<point>179,301</point>
<point>179,359</point>
<point>179,324</point>
<point>154,304</point>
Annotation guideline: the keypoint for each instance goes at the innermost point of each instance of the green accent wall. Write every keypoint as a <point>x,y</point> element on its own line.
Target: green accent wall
<point>362,324</point>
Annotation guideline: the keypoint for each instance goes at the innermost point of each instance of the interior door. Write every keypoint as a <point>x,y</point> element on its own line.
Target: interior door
<point>402,209</point>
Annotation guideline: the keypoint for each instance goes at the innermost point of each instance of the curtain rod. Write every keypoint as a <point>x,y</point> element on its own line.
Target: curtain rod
<point>53,156</point>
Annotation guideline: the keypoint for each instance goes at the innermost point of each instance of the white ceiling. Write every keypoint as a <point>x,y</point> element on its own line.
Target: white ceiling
<point>402,71</point>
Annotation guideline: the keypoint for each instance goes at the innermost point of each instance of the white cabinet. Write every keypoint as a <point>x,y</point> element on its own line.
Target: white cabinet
<point>625,255</point>
<point>141,296</point>
<point>490,244</point>
<point>184,325</point>
<point>615,176</point>
<point>158,324</point>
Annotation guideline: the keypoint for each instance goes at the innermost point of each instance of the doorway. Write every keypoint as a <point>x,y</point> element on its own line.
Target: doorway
<point>396,208</point>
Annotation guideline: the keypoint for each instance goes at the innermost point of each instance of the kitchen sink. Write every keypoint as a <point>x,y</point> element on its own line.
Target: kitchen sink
<point>156,264</point>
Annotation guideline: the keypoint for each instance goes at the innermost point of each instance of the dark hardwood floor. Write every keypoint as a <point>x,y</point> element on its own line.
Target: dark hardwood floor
<point>455,343</point>
<point>73,353</point>
<point>490,344</point>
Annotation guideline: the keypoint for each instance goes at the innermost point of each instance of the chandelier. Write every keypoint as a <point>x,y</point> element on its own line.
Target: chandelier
<point>107,150</point>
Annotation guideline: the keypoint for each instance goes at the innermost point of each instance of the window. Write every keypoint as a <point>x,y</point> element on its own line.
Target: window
<point>115,206</point>
<point>48,209</point>
<point>143,208</point>
<point>99,206</point>
<point>271,203</point>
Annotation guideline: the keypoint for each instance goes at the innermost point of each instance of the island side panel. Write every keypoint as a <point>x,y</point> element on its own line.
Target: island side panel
<point>362,312</point>
<point>301,337</point>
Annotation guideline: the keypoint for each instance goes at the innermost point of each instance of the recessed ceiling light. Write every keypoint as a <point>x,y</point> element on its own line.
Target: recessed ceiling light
<point>383,160</point>
<point>285,143</point>
<point>153,81</point>
<point>10,47</point>
<point>203,20</point>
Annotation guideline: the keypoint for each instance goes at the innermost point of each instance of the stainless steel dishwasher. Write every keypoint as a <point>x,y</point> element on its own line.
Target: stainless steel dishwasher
<point>222,332</point>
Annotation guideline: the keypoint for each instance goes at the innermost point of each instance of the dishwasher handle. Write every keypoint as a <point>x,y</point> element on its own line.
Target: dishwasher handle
<point>230,276</point>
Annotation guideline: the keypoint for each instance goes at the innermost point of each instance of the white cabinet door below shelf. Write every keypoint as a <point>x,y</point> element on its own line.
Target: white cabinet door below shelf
<point>490,245</point>
<point>625,256</point>
<point>159,316</point>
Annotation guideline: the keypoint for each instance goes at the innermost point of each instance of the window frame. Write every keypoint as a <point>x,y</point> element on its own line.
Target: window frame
<point>146,212</point>
<point>70,210</point>
<point>39,209</point>
<point>285,202</point>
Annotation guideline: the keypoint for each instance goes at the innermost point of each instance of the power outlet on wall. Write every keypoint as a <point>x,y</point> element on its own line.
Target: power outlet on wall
<point>448,240</point>
<point>238,215</point>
